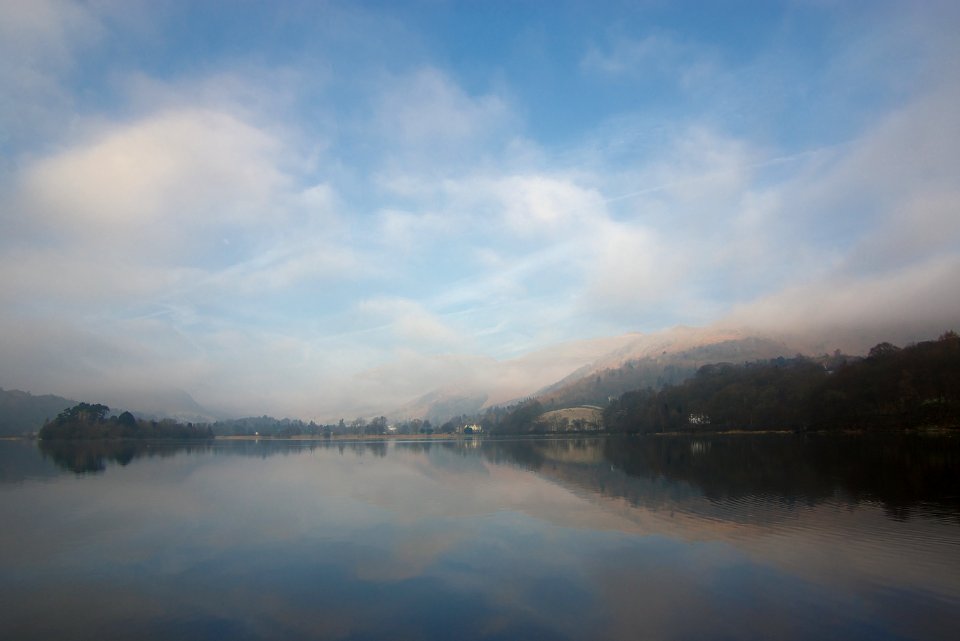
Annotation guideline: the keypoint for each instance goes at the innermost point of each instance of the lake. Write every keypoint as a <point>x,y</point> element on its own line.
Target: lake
<point>724,537</point>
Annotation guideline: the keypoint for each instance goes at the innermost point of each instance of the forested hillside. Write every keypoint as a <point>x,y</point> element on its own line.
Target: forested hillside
<point>918,386</point>
<point>597,386</point>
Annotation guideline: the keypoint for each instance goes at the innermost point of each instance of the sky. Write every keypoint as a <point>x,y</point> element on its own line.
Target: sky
<point>317,208</point>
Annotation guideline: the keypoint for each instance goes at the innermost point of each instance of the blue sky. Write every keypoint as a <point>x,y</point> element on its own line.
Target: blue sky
<point>297,207</point>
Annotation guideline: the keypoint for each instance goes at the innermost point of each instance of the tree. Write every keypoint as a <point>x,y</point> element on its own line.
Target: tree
<point>449,427</point>
<point>378,425</point>
<point>358,425</point>
<point>883,349</point>
<point>88,421</point>
<point>522,417</point>
<point>83,413</point>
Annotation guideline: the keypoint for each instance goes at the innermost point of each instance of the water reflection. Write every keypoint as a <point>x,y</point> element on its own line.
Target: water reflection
<point>753,538</point>
<point>92,457</point>
<point>904,473</point>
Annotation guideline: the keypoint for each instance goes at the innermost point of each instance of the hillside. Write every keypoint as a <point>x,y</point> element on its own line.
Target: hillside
<point>439,406</point>
<point>590,372</point>
<point>24,413</point>
<point>892,388</point>
<point>662,361</point>
<point>484,383</point>
<point>163,403</point>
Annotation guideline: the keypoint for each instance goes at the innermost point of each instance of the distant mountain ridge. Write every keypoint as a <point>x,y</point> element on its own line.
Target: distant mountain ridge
<point>494,383</point>
<point>438,406</point>
<point>602,368</point>
<point>596,384</point>
<point>563,375</point>
<point>169,403</point>
<point>23,413</point>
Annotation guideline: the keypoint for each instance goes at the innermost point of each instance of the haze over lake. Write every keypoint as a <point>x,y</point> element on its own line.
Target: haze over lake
<point>747,537</point>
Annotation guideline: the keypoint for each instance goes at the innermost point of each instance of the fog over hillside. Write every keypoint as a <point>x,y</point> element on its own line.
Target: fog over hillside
<point>624,363</point>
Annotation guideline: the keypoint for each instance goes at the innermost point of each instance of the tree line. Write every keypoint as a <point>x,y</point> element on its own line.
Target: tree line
<point>892,388</point>
<point>91,421</point>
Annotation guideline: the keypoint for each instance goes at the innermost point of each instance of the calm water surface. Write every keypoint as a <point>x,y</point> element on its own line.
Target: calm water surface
<point>736,537</point>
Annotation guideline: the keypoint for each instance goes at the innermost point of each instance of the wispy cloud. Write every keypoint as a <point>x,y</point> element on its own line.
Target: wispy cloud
<point>659,55</point>
<point>355,210</point>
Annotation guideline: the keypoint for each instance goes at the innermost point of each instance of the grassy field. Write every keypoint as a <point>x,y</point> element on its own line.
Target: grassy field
<point>591,415</point>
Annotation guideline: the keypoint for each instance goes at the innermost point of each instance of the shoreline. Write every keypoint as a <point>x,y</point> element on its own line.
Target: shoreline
<point>427,438</point>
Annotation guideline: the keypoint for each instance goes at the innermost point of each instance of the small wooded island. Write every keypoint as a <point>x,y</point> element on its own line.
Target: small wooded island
<point>88,421</point>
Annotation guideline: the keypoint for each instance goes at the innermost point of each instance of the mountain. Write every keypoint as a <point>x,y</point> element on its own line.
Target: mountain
<point>591,371</point>
<point>487,382</point>
<point>23,413</point>
<point>917,386</point>
<point>655,362</point>
<point>439,406</point>
<point>167,403</point>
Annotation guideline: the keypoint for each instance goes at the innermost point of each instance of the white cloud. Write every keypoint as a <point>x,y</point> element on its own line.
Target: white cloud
<point>404,231</point>
<point>909,304</point>
<point>540,204</point>
<point>695,178</point>
<point>629,270</point>
<point>181,169</point>
<point>543,205</point>
<point>77,276</point>
<point>915,229</point>
<point>410,322</point>
<point>336,232</point>
<point>880,215</point>
<point>38,44</point>
<point>429,108</point>
<point>171,205</point>
<point>45,32</point>
<point>248,91</point>
<point>896,186</point>
<point>284,267</point>
<point>633,55</point>
<point>657,57</point>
